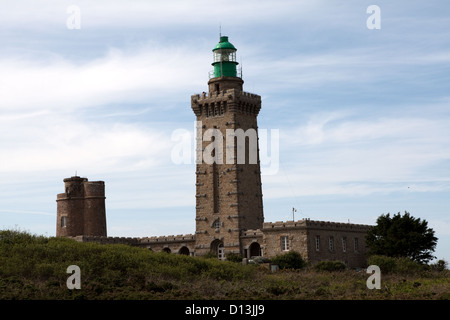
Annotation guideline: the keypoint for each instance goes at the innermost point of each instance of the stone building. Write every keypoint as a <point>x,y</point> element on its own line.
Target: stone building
<point>229,203</point>
<point>81,208</point>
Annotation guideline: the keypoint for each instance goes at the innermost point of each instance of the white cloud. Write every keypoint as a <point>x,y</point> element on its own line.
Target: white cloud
<point>120,76</point>
<point>46,142</point>
<point>141,13</point>
<point>336,153</point>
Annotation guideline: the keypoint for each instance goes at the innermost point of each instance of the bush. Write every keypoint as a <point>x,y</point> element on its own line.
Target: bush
<point>330,266</point>
<point>233,257</point>
<point>290,260</point>
<point>210,255</point>
<point>395,265</point>
<point>440,265</point>
<point>386,264</point>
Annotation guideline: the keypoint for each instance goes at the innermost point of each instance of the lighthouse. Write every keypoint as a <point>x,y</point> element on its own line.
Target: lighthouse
<point>228,193</point>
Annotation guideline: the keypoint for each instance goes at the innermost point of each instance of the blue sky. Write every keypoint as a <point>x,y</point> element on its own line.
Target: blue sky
<point>363,114</point>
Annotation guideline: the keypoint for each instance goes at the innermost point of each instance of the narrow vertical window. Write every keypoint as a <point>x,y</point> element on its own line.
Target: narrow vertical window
<point>356,244</point>
<point>317,243</point>
<point>284,243</point>
<point>331,243</point>
<point>344,244</point>
<point>216,184</point>
<point>63,221</point>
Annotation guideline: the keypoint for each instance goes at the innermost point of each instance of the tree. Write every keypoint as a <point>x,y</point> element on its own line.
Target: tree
<point>402,236</point>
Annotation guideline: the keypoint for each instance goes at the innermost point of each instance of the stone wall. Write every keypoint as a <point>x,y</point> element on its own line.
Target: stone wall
<point>337,241</point>
<point>281,237</point>
<point>180,244</point>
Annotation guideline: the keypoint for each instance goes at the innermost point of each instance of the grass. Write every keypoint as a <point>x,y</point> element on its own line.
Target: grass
<point>34,267</point>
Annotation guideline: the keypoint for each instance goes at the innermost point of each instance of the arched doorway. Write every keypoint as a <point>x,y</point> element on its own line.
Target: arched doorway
<point>255,249</point>
<point>218,249</point>
<point>184,251</point>
<point>167,250</point>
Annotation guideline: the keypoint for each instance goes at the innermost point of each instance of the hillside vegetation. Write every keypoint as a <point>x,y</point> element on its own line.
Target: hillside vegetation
<point>34,267</point>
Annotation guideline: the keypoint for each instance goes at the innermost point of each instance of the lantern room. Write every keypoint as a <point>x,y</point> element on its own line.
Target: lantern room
<point>224,54</point>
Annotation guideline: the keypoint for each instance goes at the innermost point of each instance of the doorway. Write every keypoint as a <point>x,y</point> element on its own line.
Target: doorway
<point>218,249</point>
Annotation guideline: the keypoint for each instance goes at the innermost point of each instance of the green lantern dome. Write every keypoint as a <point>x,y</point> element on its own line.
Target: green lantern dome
<point>224,44</point>
<point>224,59</point>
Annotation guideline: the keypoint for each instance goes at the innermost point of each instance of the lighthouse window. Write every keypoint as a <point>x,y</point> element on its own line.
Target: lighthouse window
<point>217,56</point>
<point>224,55</point>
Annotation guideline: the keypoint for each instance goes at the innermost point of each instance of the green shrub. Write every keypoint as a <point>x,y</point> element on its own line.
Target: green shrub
<point>395,265</point>
<point>210,255</point>
<point>406,265</point>
<point>386,264</point>
<point>330,266</point>
<point>233,257</point>
<point>439,265</point>
<point>290,260</point>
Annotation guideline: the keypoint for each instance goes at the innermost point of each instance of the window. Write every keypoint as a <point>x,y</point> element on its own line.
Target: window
<point>221,252</point>
<point>356,244</point>
<point>344,244</point>
<point>63,221</point>
<point>317,243</point>
<point>216,186</point>
<point>284,243</point>
<point>331,243</point>
<point>216,224</point>
<point>217,182</point>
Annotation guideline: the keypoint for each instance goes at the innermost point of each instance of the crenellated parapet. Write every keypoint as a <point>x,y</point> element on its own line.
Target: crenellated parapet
<point>167,239</point>
<point>107,240</point>
<point>336,226</point>
<point>252,233</point>
<point>313,224</point>
<point>216,103</point>
<point>267,226</point>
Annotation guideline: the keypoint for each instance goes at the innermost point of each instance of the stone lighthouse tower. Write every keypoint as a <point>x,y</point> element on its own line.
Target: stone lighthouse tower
<point>228,177</point>
<point>81,208</point>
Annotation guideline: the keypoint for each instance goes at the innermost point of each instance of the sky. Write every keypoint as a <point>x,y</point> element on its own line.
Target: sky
<point>355,103</point>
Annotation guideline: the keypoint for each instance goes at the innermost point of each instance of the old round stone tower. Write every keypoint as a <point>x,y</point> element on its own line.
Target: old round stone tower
<point>228,177</point>
<point>81,208</point>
